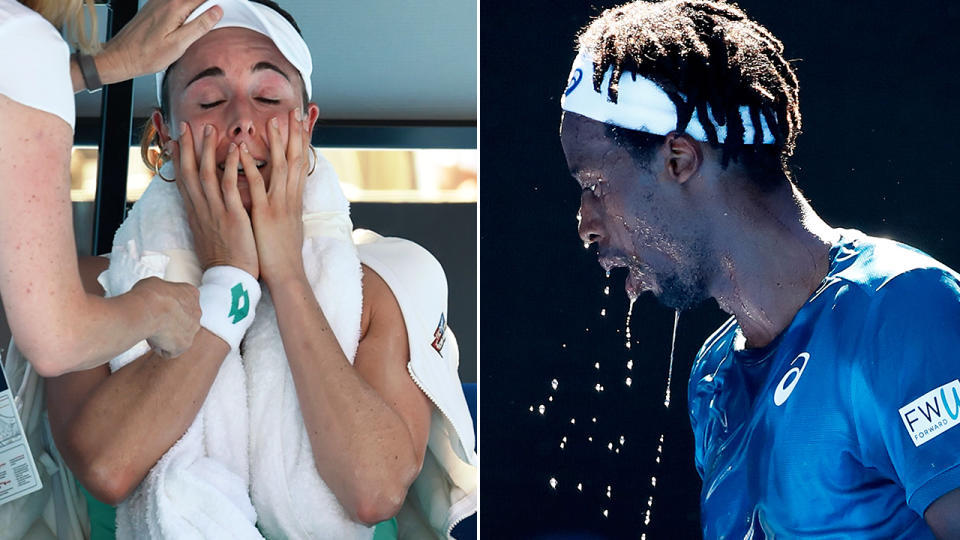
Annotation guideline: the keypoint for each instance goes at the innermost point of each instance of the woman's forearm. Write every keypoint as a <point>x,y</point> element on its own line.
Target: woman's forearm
<point>362,447</point>
<point>130,419</point>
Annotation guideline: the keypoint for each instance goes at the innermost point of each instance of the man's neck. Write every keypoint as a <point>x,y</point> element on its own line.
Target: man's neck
<point>772,266</point>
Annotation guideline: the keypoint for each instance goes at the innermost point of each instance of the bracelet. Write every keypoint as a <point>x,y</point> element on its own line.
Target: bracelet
<point>228,301</point>
<point>88,69</point>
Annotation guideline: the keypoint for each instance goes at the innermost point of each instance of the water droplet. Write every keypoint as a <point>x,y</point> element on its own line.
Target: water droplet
<point>550,398</point>
<point>605,513</point>
<point>542,408</point>
<point>610,446</point>
<point>564,438</point>
<point>661,437</point>
<point>643,536</point>
<point>629,381</point>
<point>586,245</point>
<point>554,384</point>
<point>608,274</point>
<point>561,446</point>
<point>606,290</point>
<point>617,450</point>
<point>553,483</point>
<point>573,420</point>
<point>563,345</point>
<point>579,486</point>
<point>603,312</point>
<point>596,365</point>
<point>622,440</point>
<point>646,519</point>
<point>653,481</point>
<point>597,387</point>
<point>659,449</point>
<point>630,364</point>
<point>658,459</point>
<point>650,501</point>
<point>591,440</point>
<point>531,408</point>
<point>594,419</point>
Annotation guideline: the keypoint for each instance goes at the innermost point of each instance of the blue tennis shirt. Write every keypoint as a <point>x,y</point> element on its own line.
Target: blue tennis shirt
<point>846,425</point>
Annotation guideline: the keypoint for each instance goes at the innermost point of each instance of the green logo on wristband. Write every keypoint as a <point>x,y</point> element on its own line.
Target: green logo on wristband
<point>240,296</point>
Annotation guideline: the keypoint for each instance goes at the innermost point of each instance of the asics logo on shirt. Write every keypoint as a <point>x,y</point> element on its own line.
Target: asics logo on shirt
<point>789,380</point>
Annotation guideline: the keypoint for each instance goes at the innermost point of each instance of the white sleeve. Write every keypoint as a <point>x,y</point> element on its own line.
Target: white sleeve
<point>35,63</point>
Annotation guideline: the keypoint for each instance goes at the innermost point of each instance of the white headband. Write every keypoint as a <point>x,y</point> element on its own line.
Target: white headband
<point>641,105</point>
<point>262,19</point>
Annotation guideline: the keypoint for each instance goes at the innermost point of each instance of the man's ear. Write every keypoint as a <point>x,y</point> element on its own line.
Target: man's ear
<point>684,156</point>
<point>158,124</point>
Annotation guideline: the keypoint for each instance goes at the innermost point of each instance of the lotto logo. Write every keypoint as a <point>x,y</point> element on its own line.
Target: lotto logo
<point>239,303</point>
<point>932,413</point>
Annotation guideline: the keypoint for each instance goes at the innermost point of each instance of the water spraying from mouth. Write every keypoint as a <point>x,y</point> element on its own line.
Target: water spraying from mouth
<point>629,314</point>
<point>673,345</point>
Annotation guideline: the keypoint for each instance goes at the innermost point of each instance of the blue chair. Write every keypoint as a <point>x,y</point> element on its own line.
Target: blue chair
<point>467,529</point>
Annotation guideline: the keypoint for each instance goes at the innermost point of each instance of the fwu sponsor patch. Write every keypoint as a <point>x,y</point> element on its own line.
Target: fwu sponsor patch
<point>932,413</point>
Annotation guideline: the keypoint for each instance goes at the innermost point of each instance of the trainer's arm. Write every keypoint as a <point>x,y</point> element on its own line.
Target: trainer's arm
<point>112,428</point>
<point>50,316</point>
<point>368,423</point>
<point>943,515</point>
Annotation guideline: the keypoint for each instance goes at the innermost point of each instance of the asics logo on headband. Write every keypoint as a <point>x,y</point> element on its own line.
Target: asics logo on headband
<point>643,106</point>
<point>574,81</point>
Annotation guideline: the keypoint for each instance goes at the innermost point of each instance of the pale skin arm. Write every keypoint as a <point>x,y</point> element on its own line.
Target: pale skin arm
<point>112,428</point>
<point>150,42</point>
<point>50,316</point>
<point>368,423</point>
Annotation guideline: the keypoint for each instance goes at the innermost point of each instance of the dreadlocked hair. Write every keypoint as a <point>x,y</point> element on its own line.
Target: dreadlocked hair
<point>702,52</point>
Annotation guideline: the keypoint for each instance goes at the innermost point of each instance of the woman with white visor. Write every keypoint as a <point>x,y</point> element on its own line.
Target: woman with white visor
<point>50,316</point>
<point>320,398</point>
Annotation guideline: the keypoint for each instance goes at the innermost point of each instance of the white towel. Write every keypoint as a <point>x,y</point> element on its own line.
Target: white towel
<point>229,468</point>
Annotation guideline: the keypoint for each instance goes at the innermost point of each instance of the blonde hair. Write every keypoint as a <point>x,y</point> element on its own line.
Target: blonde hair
<point>70,16</point>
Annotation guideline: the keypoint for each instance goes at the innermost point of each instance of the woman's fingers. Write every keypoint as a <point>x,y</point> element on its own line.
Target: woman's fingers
<point>208,170</point>
<point>296,156</point>
<point>278,172</point>
<point>231,194</point>
<point>172,148</point>
<point>185,35</point>
<point>185,163</point>
<point>258,192</point>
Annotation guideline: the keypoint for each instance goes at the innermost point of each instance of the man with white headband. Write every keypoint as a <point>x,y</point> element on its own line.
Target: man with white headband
<point>320,398</point>
<point>826,405</point>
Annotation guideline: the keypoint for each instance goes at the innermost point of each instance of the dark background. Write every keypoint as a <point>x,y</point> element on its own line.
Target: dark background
<point>878,92</point>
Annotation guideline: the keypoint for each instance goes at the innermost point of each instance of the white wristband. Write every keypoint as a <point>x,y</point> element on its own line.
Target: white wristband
<point>228,300</point>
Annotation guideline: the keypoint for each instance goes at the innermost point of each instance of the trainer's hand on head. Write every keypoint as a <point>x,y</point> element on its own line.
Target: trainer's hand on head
<point>176,308</point>
<point>277,209</point>
<point>222,234</point>
<point>154,39</point>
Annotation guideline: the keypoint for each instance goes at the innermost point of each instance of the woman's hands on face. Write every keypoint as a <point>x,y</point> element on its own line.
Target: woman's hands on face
<point>222,234</point>
<point>154,39</point>
<point>277,212</point>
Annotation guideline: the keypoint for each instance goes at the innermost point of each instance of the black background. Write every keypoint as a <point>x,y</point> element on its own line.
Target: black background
<point>879,97</point>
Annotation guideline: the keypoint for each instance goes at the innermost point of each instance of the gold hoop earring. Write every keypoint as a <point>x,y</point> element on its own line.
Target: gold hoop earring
<point>161,161</point>
<point>314,150</point>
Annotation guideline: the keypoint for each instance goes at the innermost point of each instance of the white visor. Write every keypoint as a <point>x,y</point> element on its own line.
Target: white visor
<point>262,19</point>
<point>641,105</point>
